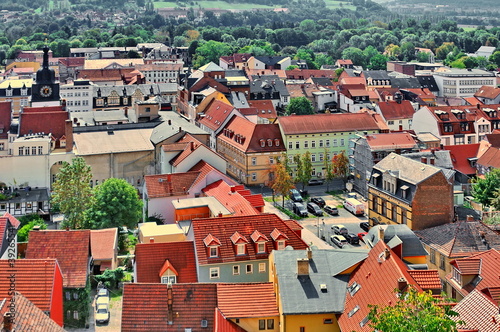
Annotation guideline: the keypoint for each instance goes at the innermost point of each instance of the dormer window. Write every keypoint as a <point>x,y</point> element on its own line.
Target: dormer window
<point>260,241</point>
<point>276,142</point>
<point>404,191</point>
<point>269,142</point>
<point>239,242</point>
<point>262,143</point>
<point>168,274</point>
<point>281,244</point>
<point>457,276</point>
<point>213,245</point>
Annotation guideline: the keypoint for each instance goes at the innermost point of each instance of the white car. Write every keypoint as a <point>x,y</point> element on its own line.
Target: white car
<point>102,313</point>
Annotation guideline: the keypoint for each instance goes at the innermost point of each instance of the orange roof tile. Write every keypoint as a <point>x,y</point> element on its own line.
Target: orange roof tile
<point>164,185</point>
<point>468,266</point>
<point>294,225</point>
<point>478,312</point>
<point>258,237</point>
<point>43,119</point>
<point>392,110</point>
<point>145,307</point>
<point>216,114</point>
<point>487,92</point>
<point>150,260</point>
<point>276,235</point>
<point>103,243</point>
<point>225,325</point>
<point>28,316</point>
<point>35,279</point>
<point>230,198</point>
<point>70,248</point>
<point>328,123</point>
<point>244,300</point>
<point>426,279</point>
<point>224,227</point>
<point>459,156</point>
<point>237,238</point>
<point>384,141</point>
<point>167,266</point>
<point>205,168</point>
<point>211,240</point>
<point>377,276</point>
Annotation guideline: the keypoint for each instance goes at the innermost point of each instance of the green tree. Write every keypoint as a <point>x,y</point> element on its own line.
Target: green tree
<point>116,204</point>
<point>414,312</point>
<point>210,51</point>
<point>23,232</point>
<point>72,192</point>
<point>328,170</point>
<point>340,165</point>
<point>378,62</point>
<point>483,190</point>
<point>282,181</point>
<point>304,168</point>
<point>495,58</point>
<point>355,55</point>
<point>299,106</point>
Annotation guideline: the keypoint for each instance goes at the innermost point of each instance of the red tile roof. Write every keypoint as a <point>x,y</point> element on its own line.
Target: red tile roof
<point>247,136</point>
<point>208,81</point>
<point>70,248</point>
<point>150,258</point>
<point>294,225</point>
<point>5,113</point>
<point>103,243</point>
<point>244,300</point>
<point>230,197</point>
<point>306,73</point>
<point>493,293</point>
<point>262,108</point>
<point>353,80</point>
<point>164,185</point>
<point>167,266</point>
<point>459,156</point>
<point>392,110</point>
<point>216,114</point>
<point>427,279</point>
<point>328,123</point>
<point>472,101</point>
<point>223,228</point>
<point>28,316</point>
<point>487,92</point>
<point>478,312</point>
<point>378,276</point>
<point>43,119</point>
<point>344,62</point>
<point>491,158</point>
<point>35,279</point>
<point>72,61</point>
<point>98,75</point>
<point>394,140</point>
<point>145,307</point>
<point>6,222</point>
<point>484,264</point>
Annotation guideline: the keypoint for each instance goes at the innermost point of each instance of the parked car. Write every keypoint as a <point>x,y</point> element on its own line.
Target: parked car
<point>102,314</point>
<point>338,240</point>
<point>314,209</point>
<point>352,195</point>
<point>295,196</point>
<point>102,292</point>
<point>331,210</point>
<point>362,235</point>
<point>318,201</point>
<point>299,209</point>
<point>364,226</point>
<point>352,238</point>
<point>340,229</point>
<point>314,182</point>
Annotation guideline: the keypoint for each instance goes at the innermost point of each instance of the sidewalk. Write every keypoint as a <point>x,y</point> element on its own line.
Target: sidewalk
<point>308,236</point>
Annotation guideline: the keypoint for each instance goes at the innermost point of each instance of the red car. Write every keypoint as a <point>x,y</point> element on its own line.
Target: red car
<point>362,235</point>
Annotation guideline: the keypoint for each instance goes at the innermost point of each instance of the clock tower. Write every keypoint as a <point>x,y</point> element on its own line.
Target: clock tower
<point>45,91</point>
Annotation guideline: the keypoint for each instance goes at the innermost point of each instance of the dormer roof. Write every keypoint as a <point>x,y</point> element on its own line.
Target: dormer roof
<point>211,240</point>
<point>237,238</point>
<point>258,237</point>
<point>277,235</point>
<point>167,266</point>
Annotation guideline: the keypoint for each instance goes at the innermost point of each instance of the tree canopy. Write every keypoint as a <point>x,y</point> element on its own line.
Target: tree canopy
<point>72,192</point>
<point>299,106</point>
<point>115,204</point>
<point>414,312</point>
<point>485,190</point>
<point>282,181</point>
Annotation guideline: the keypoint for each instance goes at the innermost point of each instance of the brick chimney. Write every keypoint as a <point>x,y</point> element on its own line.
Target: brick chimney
<point>7,322</point>
<point>68,131</point>
<point>402,284</point>
<point>302,267</point>
<point>170,305</point>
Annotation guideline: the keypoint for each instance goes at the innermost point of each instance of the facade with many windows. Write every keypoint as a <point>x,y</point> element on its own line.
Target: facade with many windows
<point>325,135</point>
<point>404,191</point>
<point>457,83</point>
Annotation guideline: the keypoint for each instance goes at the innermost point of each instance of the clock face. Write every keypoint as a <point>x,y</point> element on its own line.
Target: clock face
<point>45,91</point>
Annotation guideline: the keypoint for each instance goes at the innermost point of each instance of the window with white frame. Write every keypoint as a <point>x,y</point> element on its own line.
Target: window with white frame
<point>321,157</point>
<point>214,252</point>
<point>240,249</point>
<point>271,160</point>
<point>297,145</point>
<point>261,247</point>
<point>254,176</point>
<point>169,279</point>
<point>262,267</point>
<point>327,143</point>
<point>249,268</point>
<point>313,144</point>
<point>214,273</point>
<point>281,244</point>
<point>290,145</point>
<point>236,270</point>
<point>320,143</point>
<point>254,161</point>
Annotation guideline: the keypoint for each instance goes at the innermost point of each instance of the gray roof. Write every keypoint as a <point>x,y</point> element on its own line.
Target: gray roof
<point>377,74</point>
<point>270,60</point>
<point>110,116</point>
<point>458,72</point>
<point>322,81</point>
<point>442,158</point>
<point>303,294</point>
<point>268,83</point>
<point>29,195</point>
<point>166,130</point>
<point>409,170</point>
<point>396,234</point>
<point>405,83</point>
<point>238,99</point>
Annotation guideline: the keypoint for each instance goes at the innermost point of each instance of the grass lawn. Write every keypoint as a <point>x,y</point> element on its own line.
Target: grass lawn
<point>339,4</point>
<point>115,297</point>
<point>211,4</point>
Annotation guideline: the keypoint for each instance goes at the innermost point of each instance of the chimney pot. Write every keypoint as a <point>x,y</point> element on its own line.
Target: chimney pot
<point>402,284</point>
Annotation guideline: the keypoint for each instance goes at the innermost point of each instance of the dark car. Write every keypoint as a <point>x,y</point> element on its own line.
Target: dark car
<point>314,182</point>
<point>295,196</point>
<point>299,209</point>
<point>338,240</point>
<point>364,226</point>
<point>314,209</point>
<point>318,201</point>
<point>352,238</point>
<point>331,210</point>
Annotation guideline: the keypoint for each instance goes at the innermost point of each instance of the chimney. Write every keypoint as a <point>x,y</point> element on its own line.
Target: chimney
<point>7,322</point>
<point>68,131</point>
<point>309,254</point>
<point>169,122</point>
<point>402,284</point>
<point>302,267</point>
<point>423,160</point>
<point>170,304</point>
<point>432,161</point>
<point>125,109</point>
<point>180,129</point>
<point>381,233</point>
<point>387,253</point>
<point>219,215</point>
<point>151,240</point>
<point>470,217</point>
<point>192,146</point>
